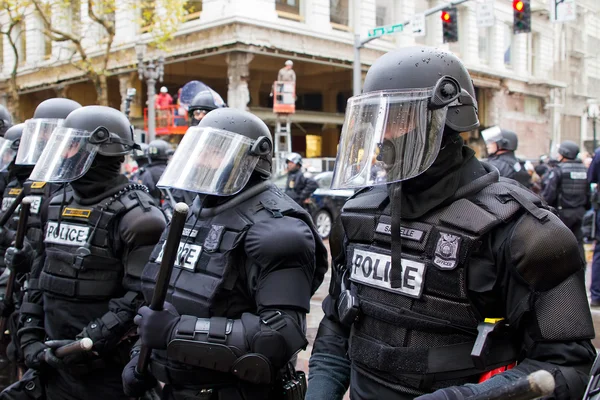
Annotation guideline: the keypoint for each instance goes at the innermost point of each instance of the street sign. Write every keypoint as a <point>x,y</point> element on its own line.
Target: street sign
<point>417,25</point>
<point>385,30</point>
<point>485,14</point>
<point>562,10</point>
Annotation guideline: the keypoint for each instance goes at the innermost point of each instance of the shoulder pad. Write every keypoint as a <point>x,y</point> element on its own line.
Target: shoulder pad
<point>371,198</point>
<point>504,199</point>
<point>57,199</point>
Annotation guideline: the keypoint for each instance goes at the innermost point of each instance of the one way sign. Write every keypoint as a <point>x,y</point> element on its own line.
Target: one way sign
<point>418,25</point>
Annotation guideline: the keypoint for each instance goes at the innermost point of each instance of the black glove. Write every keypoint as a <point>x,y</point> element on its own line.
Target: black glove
<point>155,327</point>
<point>19,260</point>
<point>134,384</point>
<point>103,338</point>
<point>6,236</point>
<point>449,393</point>
<point>33,354</point>
<point>67,362</point>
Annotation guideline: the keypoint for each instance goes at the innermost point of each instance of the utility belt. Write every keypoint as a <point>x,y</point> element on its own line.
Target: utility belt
<point>291,385</point>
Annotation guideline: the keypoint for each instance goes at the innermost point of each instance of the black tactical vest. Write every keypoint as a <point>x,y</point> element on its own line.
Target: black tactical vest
<point>573,185</point>
<point>211,258</point>
<point>419,337</point>
<point>38,193</point>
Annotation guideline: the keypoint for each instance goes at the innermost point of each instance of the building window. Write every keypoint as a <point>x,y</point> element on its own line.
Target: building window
<point>192,8</point>
<point>147,15</point>
<point>384,12</point>
<point>532,105</point>
<point>289,9</point>
<point>533,48</point>
<point>339,14</point>
<point>485,35</point>
<point>508,37</point>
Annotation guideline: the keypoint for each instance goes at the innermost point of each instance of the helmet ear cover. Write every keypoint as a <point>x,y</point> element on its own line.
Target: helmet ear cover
<point>101,135</point>
<point>446,91</point>
<point>261,146</point>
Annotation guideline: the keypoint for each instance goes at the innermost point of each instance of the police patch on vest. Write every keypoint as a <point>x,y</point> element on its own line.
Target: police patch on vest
<point>187,252</point>
<point>446,251</point>
<point>373,269</point>
<point>38,185</point>
<point>76,212</point>
<point>577,175</point>
<point>36,203</point>
<point>6,202</point>
<point>292,184</point>
<point>15,191</point>
<point>213,239</point>
<point>405,233</point>
<point>68,234</point>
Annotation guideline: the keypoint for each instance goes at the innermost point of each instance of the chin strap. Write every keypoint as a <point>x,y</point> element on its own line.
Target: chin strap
<point>396,207</point>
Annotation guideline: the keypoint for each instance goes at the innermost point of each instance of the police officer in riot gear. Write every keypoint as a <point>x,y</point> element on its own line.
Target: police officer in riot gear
<point>140,156</point>
<point>501,146</point>
<point>5,123</point>
<point>250,261</point>
<point>204,102</point>
<point>567,189</point>
<point>159,152</point>
<point>97,238</point>
<point>298,186</point>
<point>445,253</point>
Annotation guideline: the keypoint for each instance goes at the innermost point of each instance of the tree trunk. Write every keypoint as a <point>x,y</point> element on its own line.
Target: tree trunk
<point>101,85</point>
<point>13,99</point>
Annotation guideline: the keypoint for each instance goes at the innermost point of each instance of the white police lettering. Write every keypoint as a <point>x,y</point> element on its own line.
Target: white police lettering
<point>373,269</point>
<point>6,202</point>
<point>36,202</point>
<point>578,175</point>
<point>189,253</point>
<point>69,234</point>
<point>405,233</point>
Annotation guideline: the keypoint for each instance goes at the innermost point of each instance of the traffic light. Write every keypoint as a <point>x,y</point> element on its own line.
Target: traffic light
<point>521,16</point>
<point>450,25</point>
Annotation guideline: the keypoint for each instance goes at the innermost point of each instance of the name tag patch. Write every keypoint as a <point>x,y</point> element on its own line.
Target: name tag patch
<point>190,232</point>
<point>76,212</point>
<point>14,191</point>
<point>188,253</point>
<point>68,234</point>
<point>578,175</point>
<point>405,233</point>
<point>373,269</point>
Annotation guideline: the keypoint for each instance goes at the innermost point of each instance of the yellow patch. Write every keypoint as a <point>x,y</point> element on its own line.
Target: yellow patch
<point>38,185</point>
<point>76,212</point>
<point>291,185</point>
<point>15,191</point>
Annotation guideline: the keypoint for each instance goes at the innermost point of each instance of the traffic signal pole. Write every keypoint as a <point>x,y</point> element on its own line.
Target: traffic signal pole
<point>359,43</point>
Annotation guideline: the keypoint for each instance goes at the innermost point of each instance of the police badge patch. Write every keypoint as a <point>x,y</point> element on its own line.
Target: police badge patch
<point>213,239</point>
<point>446,251</point>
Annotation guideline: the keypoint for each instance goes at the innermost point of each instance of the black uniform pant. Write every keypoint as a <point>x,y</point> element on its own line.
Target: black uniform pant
<point>572,218</point>
<point>171,392</point>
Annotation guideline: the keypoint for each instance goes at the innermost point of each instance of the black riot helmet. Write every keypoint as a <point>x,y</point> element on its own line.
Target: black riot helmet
<point>48,115</point>
<point>568,149</point>
<point>86,132</point>
<point>219,156</point>
<point>9,145</point>
<point>159,150</point>
<point>504,139</point>
<point>204,102</point>
<point>141,153</point>
<point>13,135</point>
<point>5,120</point>
<point>411,98</point>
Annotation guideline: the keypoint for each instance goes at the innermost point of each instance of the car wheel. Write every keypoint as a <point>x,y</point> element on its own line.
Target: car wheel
<point>323,223</point>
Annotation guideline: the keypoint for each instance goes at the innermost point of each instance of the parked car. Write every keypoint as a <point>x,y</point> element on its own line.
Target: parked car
<point>325,203</point>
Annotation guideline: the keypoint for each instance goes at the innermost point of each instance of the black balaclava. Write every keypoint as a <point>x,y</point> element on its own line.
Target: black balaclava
<point>104,177</point>
<point>19,172</point>
<point>440,181</point>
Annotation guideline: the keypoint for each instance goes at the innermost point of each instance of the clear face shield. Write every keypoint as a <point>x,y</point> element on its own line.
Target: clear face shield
<point>392,136</point>
<point>70,153</point>
<point>36,134</point>
<point>213,161</point>
<point>8,150</point>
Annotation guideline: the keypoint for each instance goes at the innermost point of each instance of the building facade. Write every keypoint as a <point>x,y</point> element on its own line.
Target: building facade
<point>537,84</point>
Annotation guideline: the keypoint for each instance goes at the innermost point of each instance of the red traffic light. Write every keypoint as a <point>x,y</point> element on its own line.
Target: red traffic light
<point>518,5</point>
<point>445,16</point>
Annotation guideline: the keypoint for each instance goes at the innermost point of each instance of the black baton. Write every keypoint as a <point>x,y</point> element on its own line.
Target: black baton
<point>19,239</point>
<point>537,384</point>
<point>164,274</point>
<point>13,206</point>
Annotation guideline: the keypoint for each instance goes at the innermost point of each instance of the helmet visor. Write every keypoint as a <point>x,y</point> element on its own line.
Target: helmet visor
<point>36,135</point>
<point>67,157</point>
<point>210,161</point>
<point>388,136</point>
<point>7,153</point>
<point>491,135</point>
